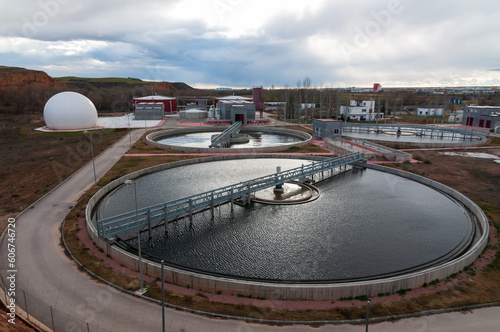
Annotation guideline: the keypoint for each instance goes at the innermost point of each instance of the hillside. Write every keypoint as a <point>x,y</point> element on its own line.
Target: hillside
<point>111,82</point>
<point>21,77</point>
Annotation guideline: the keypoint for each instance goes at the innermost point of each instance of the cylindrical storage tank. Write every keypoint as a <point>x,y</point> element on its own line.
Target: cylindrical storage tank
<point>211,112</point>
<point>193,114</point>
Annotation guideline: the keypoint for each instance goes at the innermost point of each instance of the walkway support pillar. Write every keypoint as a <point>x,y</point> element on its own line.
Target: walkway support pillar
<point>149,224</point>
<point>232,199</point>
<point>165,218</point>
<point>190,210</point>
<point>212,204</point>
<point>248,194</point>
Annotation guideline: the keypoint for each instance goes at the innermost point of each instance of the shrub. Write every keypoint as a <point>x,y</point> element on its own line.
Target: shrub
<point>402,292</point>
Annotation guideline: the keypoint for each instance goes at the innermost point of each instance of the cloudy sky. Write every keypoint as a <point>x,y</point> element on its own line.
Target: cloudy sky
<point>245,43</point>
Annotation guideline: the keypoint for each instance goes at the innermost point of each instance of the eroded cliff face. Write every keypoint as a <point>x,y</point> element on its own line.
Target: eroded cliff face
<point>20,78</point>
<point>160,86</point>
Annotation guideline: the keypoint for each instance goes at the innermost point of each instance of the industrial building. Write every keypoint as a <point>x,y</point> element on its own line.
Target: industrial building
<point>361,110</point>
<point>327,128</point>
<point>169,103</point>
<point>456,117</point>
<point>237,108</point>
<point>481,116</point>
<point>377,87</point>
<point>422,111</point>
<point>232,99</point>
<point>234,111</point>
<point>149,111</point>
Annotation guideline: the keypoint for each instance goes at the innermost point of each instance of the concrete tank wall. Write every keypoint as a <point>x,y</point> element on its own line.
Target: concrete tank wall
<point>323,292</point>
<point>191,114</point>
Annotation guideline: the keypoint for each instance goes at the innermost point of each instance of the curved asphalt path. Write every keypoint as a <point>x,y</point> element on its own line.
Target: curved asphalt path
<point>49,279</point>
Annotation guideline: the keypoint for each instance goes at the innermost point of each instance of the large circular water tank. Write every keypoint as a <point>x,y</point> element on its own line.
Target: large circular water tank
<point>69,111</point>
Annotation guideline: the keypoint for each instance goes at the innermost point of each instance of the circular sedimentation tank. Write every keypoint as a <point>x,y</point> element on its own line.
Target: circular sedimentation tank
<point>408,136</point>
<point>365,232</point>
<point>250,139</point>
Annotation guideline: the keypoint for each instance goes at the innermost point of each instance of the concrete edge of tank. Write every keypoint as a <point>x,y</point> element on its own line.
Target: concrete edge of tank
<point>278,291</point>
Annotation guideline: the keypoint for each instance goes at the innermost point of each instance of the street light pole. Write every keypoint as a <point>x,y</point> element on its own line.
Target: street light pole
<point>367,314</point>
<point>138,233</point>
<point>93,160</point>
<point>129,137</point>
<point>162,297</point>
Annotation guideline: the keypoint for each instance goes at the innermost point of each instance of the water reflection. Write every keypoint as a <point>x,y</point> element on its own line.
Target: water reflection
<point>364,224</point>
<point>203,140</point>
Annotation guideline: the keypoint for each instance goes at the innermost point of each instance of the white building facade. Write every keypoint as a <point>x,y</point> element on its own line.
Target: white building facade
<point>422,111</point>
<point>361,110</point>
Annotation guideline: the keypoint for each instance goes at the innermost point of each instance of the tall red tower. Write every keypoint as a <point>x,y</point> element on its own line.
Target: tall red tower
<point>377,87</point>
<point>258,101</point>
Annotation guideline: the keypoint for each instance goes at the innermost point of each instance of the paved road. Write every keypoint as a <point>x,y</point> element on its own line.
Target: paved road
<point>61,296</point>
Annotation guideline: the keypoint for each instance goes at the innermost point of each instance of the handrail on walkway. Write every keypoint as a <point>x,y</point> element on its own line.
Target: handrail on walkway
<point>222,139</point>
<point>164,212</point>
<point>420,130</point>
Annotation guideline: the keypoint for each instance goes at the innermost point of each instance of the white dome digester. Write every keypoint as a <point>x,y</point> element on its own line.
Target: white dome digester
<point>70,111</point>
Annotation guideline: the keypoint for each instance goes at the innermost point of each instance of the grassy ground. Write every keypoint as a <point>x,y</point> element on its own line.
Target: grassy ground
<point>66,79</point>
<point>495,141</point>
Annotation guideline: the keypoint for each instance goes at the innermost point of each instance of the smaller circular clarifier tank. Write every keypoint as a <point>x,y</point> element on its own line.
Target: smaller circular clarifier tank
<point>70,111</point>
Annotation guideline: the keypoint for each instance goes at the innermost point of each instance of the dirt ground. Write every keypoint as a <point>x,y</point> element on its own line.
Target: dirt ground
<point>477,178</point>
<point>32,162</point>
<point>20,326</point>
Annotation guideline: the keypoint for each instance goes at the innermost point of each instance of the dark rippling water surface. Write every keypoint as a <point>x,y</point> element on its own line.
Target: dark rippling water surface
<point>364,224</point>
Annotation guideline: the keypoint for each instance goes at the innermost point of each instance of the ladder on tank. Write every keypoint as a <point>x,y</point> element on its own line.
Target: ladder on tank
<point>222,140</point>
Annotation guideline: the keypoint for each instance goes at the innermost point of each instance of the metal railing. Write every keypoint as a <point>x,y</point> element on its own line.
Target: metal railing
<point>164,212</point>
<point>222,139</point>
<point>418,130</point>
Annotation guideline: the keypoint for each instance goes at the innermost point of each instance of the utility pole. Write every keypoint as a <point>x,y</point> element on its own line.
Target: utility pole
<point>337,110</point>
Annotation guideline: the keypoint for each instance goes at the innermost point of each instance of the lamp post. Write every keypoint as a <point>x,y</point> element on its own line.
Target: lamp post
<point>367,314</point>
<point>127,182</point>
<point>93,160</point>
<point>162,297</point>
<point>129,137</point>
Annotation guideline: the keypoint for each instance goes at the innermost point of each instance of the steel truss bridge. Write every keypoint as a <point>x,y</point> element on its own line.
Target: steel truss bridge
<point>222,140</point>
<point>438,132</point>
<point>155,215</point>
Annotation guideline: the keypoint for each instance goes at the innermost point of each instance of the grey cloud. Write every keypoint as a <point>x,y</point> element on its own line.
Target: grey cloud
<point>423,39</point>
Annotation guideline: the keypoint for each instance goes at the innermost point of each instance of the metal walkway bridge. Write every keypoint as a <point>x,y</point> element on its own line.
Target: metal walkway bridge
<point>222,140</point>
<point>438,132</point>
<point>163,213</point>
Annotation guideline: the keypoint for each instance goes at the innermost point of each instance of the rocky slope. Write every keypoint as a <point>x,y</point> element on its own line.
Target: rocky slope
<point>21,77</point>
